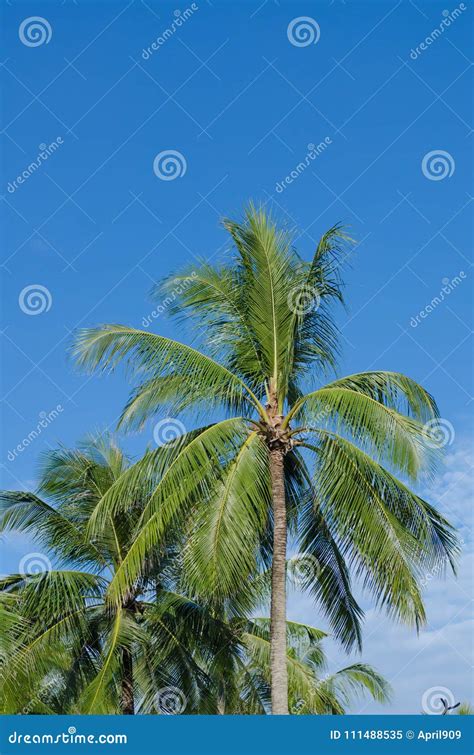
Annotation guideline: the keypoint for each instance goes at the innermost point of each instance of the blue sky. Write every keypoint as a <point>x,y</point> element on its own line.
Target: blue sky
<point>231,92</point>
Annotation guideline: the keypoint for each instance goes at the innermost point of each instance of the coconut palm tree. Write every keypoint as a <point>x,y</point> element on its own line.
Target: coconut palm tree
<point>245,687</point>
<point>69,649</point>
<point>280,454</point>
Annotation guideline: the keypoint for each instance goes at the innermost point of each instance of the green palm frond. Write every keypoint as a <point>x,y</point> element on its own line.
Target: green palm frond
<point>42,648</point>
<point>168,394</point>
<point>300,636</point>
<point>392,437</point>
<point>26,512</point>
<point>317,287</point>
<point>51,594</point>
<point>320,567</point>
<point>182,463</point>
<point>185,480</point>
<point>350,684</point>
<point>465,709</point>
<point>268,276</point>
<point>214,298</point>
<point>390,535</point>
<point>107,346</point>
<point>300,676</point>
<point>221,553</point>
<point>96,698</point>
<point>394,390</point>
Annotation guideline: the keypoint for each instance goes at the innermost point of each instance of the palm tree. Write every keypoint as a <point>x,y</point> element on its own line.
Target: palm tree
<point>69,648</point>
<point>246,685</point>
<point>280,454</point>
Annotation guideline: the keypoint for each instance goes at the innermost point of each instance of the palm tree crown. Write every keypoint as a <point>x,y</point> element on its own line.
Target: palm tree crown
<point>71,650</point>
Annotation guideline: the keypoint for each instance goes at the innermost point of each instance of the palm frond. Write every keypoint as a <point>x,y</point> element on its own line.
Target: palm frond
<point>27,512</point>
<point>320,566</point>
<point>213,297</point>
<point>390,436</point>
<point>96,698</point>
<point>221,554</point>
<point>390,535</point>
<point>351,684</point>
<point>152,355</point>
<point>268,273</point>
<point>394,390</point>
<point>196,466</point>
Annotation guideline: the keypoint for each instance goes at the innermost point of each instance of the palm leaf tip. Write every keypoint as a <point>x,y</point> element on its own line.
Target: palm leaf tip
<point>358,679</point>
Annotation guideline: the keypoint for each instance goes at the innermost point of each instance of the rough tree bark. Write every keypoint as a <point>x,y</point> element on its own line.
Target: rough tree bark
<point>278,657</point>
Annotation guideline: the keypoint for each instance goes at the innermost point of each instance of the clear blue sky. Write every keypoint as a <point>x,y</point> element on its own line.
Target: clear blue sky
<point>229,91</point>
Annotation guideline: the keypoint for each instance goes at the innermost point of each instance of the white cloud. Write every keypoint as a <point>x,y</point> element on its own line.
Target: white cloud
<point>452,492</point>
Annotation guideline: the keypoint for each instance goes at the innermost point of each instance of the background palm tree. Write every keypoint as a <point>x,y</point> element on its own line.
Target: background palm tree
<point>284,455</point>
<point>69,648</point>
<point>310,689</point>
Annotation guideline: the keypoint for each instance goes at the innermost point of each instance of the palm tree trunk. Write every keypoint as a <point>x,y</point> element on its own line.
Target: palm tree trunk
<point>278,661</point>
<point>221,706</point>
<point>127,703</point>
